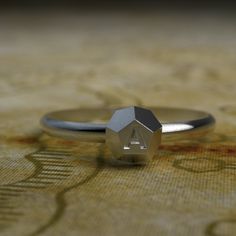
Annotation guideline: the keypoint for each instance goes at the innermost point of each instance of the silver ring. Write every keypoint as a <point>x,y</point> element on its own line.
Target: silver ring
<point>133,134</point>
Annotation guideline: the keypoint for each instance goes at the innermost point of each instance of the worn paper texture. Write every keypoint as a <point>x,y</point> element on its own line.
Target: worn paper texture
<point>50,186</point>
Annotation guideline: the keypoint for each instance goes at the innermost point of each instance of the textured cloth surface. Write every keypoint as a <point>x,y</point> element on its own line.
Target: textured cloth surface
<point>50,186</point>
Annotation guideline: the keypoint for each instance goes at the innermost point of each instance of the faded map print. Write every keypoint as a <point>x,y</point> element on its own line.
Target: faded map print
<point>51,187</point>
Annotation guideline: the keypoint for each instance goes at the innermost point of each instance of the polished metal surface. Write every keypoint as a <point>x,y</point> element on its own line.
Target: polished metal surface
<point>90,124</point>
<point>132,133</point>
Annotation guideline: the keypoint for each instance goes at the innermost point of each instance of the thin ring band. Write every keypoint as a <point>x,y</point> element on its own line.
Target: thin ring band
<point>90,124</point>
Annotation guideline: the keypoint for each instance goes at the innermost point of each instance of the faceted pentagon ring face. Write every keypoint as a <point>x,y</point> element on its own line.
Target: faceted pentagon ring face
<point>133,135</point>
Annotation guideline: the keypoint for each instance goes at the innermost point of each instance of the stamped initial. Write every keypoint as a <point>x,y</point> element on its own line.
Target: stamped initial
<point>135,140</point>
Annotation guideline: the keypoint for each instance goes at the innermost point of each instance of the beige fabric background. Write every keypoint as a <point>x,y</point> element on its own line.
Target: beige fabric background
<point>51,187</point>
